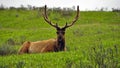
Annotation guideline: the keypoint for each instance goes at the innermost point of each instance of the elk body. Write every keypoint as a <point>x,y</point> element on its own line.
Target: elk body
<point>50,45</point>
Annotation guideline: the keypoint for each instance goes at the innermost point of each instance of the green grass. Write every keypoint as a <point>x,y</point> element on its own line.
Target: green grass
<point>92,30</point>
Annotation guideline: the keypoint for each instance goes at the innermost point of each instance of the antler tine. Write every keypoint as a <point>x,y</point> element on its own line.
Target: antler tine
<point>76,18</point>
<point>47,20</point>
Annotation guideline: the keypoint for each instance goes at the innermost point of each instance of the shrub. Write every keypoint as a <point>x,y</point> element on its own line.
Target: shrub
<point>100,57</point>
<point>103,57</point>
<point>10,41</point>
<point>7,50</point>
<point>20,64</point>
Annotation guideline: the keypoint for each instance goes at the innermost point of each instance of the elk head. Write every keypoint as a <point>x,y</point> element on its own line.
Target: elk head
<point>60,30</point>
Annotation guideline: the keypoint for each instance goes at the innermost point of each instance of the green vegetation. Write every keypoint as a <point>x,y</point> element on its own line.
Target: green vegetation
<point>93,42</point>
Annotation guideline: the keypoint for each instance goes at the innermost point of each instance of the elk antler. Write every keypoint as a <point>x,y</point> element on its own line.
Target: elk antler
<point>47,20</point>
<point>76,18</point>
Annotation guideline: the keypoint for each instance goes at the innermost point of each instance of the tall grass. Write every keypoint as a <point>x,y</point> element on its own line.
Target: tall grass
<point>93,42</point>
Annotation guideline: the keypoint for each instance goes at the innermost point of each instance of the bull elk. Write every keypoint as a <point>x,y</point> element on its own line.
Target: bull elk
<point>51,45</point>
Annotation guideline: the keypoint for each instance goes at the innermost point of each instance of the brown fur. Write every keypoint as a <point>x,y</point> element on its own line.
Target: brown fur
<point>24,48</point>
<point>39,46</point>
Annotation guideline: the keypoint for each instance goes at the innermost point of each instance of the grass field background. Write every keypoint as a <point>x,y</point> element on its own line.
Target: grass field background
<point>92,42</point>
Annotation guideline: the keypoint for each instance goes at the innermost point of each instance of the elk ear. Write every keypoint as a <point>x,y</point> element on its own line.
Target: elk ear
<point>63,29</point>
<point>58,28</point>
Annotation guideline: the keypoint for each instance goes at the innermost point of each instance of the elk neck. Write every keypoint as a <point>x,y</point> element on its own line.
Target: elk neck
<point>60,44</point>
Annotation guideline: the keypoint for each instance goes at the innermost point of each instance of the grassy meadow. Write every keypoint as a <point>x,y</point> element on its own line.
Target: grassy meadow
<point>92,42</point>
